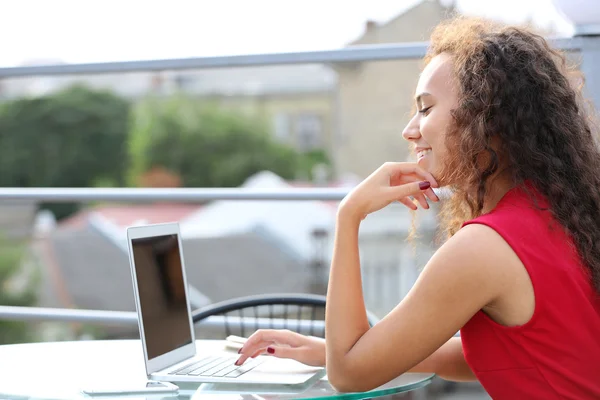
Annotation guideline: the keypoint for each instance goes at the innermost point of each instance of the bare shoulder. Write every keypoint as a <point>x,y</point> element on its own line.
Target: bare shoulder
<point>476,255</point>
<point>478,241</point>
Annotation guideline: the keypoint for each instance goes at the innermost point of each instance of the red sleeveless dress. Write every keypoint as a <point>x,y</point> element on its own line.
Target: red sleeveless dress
<point>556,355</point>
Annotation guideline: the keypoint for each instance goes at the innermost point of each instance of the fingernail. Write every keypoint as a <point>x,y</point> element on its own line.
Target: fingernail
<point>424,185</point>
<point>238,363</point>
<point>270,350</point>
<point>240,351</point>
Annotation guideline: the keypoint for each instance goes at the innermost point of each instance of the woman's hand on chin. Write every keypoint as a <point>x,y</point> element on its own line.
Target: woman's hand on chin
<point>390,182</point>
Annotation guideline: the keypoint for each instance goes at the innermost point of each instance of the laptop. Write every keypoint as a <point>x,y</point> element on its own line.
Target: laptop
<point>166,326</point>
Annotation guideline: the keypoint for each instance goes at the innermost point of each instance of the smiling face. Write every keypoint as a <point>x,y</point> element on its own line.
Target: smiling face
<point>436,96</point>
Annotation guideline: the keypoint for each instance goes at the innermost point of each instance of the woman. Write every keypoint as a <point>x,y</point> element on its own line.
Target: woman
<point>500,124</point>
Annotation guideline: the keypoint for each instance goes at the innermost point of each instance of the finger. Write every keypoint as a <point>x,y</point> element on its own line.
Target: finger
<point>420,197</point>
<point>252,353</point>
<point>406,178</point>
<point>259,336</point>
<point>249,349</point>
<point>271,349</point>
<point>264,337</point>
<point>396,169</point>
<point>257,349</point>
<point>275,351</point>
<point>260,351</point>
<point>294,353</point>
<point>408,203</point>
<point>409,189</point>
<point>244,357</point>
<point>410,177</point>
<point>431,195</point>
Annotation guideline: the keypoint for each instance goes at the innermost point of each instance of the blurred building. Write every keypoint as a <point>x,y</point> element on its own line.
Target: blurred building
<point>375,99</point>
<point>295,101</point>
<point>85,267</point>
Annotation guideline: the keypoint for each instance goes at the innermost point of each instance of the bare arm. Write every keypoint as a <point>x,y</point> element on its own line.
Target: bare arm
<point>460,279</point>
<point>447,362</point>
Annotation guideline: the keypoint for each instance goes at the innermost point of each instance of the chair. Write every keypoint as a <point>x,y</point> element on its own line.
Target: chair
<point>302,313</point>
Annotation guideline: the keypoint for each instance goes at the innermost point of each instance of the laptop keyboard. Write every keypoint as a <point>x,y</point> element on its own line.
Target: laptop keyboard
<point>218,367</point>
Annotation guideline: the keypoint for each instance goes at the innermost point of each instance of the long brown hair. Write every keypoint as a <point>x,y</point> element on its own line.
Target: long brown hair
<point>518,103</point>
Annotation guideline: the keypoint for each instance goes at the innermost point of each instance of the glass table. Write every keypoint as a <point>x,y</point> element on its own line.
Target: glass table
<point>60,370</point>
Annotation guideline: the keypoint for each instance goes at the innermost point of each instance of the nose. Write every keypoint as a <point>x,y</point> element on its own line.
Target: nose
<point>411,131</point>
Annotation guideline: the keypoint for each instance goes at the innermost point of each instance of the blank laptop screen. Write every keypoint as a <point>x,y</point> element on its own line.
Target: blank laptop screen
<point>163,304</point>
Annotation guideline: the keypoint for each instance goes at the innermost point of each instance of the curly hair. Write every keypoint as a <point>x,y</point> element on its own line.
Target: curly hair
<point>520,109</point>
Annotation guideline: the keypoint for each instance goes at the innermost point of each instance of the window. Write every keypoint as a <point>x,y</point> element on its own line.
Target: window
<point>183,82</point>
<point>309,131</point>
<point>281,127</point>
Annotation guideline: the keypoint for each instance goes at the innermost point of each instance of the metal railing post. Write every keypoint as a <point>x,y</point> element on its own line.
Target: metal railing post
<point>590,66</point>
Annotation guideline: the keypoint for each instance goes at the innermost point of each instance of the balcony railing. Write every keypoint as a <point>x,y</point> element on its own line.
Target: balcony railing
<point>130,318</point>
<point>363,53</point>
<point>175,195</point>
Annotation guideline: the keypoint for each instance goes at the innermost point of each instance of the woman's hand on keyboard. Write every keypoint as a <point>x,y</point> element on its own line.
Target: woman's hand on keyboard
<point>283,343</point>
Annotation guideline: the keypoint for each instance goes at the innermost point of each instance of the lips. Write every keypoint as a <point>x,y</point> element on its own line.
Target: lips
<point>422,152</point>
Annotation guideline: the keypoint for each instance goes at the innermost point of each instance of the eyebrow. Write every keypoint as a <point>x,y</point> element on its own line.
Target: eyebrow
<point>420,96</point>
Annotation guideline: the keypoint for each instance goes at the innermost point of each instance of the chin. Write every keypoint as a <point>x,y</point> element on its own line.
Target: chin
<point>426,165</point>
<point>437,175</point>
<point>442,179</point>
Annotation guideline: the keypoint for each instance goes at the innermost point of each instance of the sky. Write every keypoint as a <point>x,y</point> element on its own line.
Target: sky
<point>76,31</point>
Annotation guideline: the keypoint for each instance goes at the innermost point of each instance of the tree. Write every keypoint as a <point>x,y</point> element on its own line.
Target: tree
<point>204,145</point>
<point>73,138</point>
<point>18,287</point>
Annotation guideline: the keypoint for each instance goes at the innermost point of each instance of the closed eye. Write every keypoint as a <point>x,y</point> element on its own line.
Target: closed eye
<point>425,110</point>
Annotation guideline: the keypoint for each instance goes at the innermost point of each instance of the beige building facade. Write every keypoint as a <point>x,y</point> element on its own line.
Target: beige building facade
<point>375,99</point>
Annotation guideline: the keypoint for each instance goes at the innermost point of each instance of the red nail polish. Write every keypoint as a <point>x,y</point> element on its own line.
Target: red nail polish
<point>240,351</point>
<point>237,363</point>
<point>424,185</point>
<point>270,350</point>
